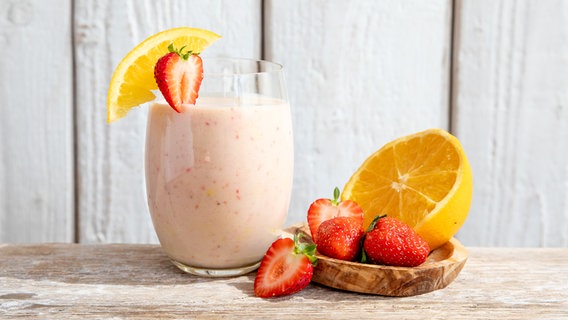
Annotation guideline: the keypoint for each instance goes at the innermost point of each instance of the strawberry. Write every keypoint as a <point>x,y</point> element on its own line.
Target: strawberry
<point>286,268</point>
<point>325,209</point>
<point>340,238</point>
<point>394,243</point>
<point>179,77</point>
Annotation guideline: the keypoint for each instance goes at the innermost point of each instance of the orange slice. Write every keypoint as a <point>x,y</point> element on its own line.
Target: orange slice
<point>424,179</point>
<point>133,79</point>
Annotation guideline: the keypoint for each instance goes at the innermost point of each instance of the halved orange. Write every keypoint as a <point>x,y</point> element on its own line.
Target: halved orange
<point>133,79</point>
<point>423,179</point>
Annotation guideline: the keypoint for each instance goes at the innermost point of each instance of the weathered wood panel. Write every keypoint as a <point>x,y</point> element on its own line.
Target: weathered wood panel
<point>138,282</point>
<point>36,126</point>
<point>511,113</point>
<point>112,199</point>
<point>359,74</point>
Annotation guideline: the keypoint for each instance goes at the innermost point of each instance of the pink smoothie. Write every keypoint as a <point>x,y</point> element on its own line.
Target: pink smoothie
<point>219,179</point>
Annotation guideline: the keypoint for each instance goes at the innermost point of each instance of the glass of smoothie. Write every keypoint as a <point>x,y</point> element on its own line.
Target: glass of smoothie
<point>219,174</point>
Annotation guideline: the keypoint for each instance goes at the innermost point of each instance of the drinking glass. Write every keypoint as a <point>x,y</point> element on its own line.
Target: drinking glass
<point>219,174</point>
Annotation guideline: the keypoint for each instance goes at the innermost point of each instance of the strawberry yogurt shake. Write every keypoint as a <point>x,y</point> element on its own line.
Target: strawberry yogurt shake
<point>218,179</point>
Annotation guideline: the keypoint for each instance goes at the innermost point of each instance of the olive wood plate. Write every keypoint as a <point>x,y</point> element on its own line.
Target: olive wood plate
<point>440,268</point>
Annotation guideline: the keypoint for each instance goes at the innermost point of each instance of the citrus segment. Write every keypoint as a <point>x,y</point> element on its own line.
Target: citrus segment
<point>133,80</point>
<point>423,179</point>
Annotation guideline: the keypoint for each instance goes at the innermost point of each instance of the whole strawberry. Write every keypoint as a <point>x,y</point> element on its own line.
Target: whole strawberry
<point>394,243</point>
<point>340,238</point>
<point>325,209</point>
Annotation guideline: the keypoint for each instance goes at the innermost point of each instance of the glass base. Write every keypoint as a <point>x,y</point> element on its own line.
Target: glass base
<point>216,273</point>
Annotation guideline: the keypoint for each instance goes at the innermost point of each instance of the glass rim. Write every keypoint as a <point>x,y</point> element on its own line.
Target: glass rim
<point>271,66</point>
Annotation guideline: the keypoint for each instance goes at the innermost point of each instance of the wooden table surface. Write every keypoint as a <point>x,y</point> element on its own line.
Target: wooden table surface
<point>68,281</point>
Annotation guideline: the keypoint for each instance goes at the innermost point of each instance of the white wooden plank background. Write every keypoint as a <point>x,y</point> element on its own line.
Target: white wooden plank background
<point>511,113</point>
<point>36,126</point>
<point>359,74</point>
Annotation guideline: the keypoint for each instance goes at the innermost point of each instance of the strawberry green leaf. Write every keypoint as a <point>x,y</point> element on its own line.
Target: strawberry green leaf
<point>363,255</point>
<point>336,193</point>
<point>309,250</point>
<point>374,222</point>
<point>179,51</point>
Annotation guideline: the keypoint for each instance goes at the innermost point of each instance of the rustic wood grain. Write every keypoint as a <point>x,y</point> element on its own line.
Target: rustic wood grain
<point>55,281</point>
<point>36,126</point>
<point>510,111</point>
<point>111,193</point>
<point>359,73</point>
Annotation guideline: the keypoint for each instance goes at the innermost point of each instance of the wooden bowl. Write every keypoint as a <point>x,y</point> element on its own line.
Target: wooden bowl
<point>440,268</point>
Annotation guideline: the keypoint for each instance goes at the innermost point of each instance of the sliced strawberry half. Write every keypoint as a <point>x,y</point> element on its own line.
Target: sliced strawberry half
<point>287,267</point>
<point>179,76</point>
<point>326,209</point>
